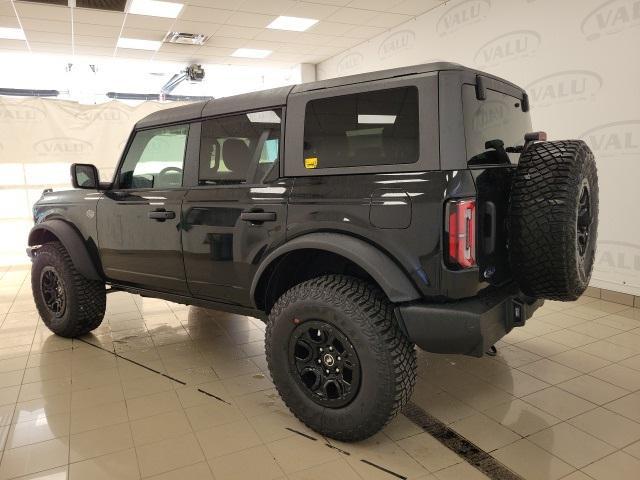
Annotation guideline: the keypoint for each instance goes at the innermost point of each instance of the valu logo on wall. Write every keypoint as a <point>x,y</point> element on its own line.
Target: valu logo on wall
<point>107,114</point>
<point>350,62</point>
<point>490,114</point>
<point>614,139</point>
<point>508,47</point>
<point>618,260</point>
<point>396,42</point>
<point>563,87</point>
<point>21,114</point>
<point>62,146</point>
<point>611,17</point>
<point>462,15</point>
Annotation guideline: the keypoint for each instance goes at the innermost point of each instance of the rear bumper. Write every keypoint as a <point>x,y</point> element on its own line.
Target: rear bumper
<point>470,326</point>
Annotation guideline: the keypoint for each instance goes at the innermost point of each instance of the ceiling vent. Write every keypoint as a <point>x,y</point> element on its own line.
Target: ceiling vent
<point>186,38</point>
<point>113,5</point>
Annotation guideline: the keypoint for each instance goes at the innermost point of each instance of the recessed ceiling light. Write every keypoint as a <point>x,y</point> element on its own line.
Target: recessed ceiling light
<point>155,8</point>
<point>251,53</point>
<point>377,119</point>
<point>12,33</point>
<point>295,24</point>
<point>138,44</point>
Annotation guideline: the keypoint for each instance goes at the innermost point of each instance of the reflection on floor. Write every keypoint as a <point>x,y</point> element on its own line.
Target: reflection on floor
<point>560,400</point>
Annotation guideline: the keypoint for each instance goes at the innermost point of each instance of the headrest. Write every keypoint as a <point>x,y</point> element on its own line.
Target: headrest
<point>236,156</point>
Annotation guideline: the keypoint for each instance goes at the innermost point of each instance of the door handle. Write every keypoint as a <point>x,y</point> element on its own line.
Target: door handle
<point>257,217</point>
<point>161,214</point>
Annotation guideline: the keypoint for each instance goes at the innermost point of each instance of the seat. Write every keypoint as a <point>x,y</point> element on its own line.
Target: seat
<point>236,156</point>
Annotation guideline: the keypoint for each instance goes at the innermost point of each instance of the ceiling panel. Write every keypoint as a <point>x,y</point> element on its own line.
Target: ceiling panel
<point>201,14</point>
<point>270,7</point>
<point>45,26</point>
<point>10,22</point>
<point>138,33</point>
<point>254,20</point>
<point>84,15</point>
<point>311,10</point>
<point>356,16</point>
<point>415,7</point>
<point>96,30</point>
<point>238,32</point>
<point>146,22</point>
<point>45,12</point>
<point>44,37</point>
<point>91,40</point>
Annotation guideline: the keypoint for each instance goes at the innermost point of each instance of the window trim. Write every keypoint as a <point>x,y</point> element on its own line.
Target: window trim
<point>429,138</point>
<point>115,183</point>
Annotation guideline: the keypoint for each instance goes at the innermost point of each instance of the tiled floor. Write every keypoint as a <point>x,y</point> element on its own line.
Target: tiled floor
<point>560,400</point>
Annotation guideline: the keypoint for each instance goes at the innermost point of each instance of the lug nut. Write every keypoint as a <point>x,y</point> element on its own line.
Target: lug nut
<point>321,349</point>
<point>339,359</point>
<point>327,372</point>
<point>331,348</point>
<point>319,361</point>
<point>337,370</point>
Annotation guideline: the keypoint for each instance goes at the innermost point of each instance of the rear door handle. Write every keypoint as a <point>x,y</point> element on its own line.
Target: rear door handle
<point>161,214</point>
<point>257,216</point>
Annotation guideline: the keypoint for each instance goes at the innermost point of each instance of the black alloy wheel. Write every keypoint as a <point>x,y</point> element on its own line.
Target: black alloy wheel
<point>584,221</point>
<point>53,292</point>
<point>324,363</point>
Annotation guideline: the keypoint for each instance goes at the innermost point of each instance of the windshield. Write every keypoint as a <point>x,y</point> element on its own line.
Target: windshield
<point>493,126</point>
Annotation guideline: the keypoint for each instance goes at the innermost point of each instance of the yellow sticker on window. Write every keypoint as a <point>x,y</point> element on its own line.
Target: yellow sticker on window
<point>311,162</point>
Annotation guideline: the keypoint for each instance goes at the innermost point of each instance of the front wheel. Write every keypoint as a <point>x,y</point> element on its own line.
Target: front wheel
<point>338,358</point>
<point>69,304</point>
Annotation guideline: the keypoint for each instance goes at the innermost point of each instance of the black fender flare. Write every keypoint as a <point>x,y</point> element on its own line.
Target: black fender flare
<point>395,283</point>
<point>72,242</point>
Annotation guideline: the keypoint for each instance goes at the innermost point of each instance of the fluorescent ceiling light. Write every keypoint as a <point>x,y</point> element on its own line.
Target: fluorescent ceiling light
<point>12,33</point>
<point>155,8</point>
<point>251,53</point>
<point>138,44</point>
<point>377,119</point>
<point>295,24</point>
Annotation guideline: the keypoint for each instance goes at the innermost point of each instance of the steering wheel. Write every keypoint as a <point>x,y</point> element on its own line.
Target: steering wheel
<point>167,170</point>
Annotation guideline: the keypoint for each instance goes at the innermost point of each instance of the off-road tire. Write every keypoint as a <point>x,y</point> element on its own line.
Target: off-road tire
<point>387,358</point>
<point>85,301</point>
<point>544,249</point>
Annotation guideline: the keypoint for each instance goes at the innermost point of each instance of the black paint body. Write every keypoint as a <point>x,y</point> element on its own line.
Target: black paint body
<point>392,216</point>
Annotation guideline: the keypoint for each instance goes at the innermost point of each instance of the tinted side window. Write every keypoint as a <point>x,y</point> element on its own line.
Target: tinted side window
<point>370,128</point>
<point>239,148</point>
<point>155,158</point>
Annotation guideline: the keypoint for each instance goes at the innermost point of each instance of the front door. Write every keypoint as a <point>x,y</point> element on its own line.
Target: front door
<point>139,218</point>
<point>237,211</point>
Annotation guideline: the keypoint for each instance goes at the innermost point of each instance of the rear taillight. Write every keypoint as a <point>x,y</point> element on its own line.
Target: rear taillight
<point>460,229</point>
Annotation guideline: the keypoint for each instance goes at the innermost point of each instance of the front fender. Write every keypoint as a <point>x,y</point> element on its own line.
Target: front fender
<point>72,242</point>
<point>395,283</point>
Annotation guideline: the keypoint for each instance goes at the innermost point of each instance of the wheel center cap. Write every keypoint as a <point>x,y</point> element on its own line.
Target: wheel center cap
<point>328,360</point>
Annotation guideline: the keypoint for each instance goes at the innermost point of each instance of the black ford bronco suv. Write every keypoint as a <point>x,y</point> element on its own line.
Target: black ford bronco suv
<point>357,216</point>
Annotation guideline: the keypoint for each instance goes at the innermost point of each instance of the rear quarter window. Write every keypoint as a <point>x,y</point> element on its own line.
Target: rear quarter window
<point>366,129</point>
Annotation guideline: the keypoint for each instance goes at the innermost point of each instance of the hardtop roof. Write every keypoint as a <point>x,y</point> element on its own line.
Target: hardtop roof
<point>277,97</point>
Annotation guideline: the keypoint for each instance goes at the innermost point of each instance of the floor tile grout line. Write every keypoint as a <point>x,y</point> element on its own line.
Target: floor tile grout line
<point>465,449</point>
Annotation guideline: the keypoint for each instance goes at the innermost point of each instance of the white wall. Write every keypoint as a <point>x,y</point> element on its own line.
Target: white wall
<point>579,61</point>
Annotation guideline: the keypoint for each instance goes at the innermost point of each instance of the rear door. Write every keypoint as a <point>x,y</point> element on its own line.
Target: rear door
<point>237,209</point>
<point>139,218</point>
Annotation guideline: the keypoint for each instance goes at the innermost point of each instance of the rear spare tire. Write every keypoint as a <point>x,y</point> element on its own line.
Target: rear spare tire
<point>553,219</point>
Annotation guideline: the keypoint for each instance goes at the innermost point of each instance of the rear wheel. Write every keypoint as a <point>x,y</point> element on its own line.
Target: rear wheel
<point>69,304</point>
<point>338,358</point>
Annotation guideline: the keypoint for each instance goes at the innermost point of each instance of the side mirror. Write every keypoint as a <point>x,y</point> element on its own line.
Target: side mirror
<point>85,175</point>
